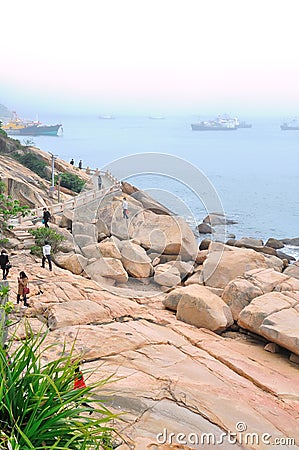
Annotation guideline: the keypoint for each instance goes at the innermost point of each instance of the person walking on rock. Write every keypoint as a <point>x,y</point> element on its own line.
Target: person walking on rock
<point>23,289</point>
<point>46,217</point>
<point>72,162</point>
<point>80,164</point>
<point>47,255</point>
<point>125,208</point>
<point>4,263</point>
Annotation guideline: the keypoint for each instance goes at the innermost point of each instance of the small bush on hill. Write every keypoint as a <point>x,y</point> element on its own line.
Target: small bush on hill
<point>2,131</point>
<point>9,208</point>
<point>34,163</point>
<point>45,234</point>
<point>71,181</point>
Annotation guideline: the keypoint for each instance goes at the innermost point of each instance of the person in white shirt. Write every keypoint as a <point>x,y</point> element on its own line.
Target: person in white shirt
<point>47,255</point>
<point>125,208</point>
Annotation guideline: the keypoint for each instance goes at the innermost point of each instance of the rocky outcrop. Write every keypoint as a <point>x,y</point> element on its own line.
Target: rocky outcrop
<point>266,303</point>
<point>165,371</point>
<point>275,316</point>
<point>75,263</point>
<point>166,234</point>
<point>170,371</point>
<point>292,270</point>
<point>25,185</point>
<point>167,275</point>
<point>135,260</point>
<point>224,263</point>
<point>110,268</point>
<point>198,306</point>
<point>205,228</point>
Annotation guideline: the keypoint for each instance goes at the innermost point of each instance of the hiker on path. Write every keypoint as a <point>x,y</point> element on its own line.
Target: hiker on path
<point>4,263</point>
<point>47,255</point>
<point>125,208</point>
<point>46,217</point>
<point>23,289</point>
<point>72,162</point>
<point>80,164</point>
<point>100,182</point>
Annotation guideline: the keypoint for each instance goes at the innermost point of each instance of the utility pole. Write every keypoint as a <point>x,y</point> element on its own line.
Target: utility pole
<point>58,188</point>
<point>52,188</point>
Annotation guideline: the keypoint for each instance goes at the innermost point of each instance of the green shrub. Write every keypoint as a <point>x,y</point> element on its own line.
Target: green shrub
<point>43,234</point>
<point>9,208</point>
<point>34,163</point>
<point>3,132</point>
<point>39,409</point>
<point>71,181</point>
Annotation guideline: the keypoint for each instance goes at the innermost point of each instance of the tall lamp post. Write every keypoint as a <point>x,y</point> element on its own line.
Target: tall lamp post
<point>52,188</point>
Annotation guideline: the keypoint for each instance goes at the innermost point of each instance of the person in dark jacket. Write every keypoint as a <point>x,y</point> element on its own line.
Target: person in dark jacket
<point>46,217</point>
<point>22,288</point>
<point>4,263</point>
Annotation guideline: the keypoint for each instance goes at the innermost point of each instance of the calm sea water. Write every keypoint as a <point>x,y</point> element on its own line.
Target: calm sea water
<point>254,171</point>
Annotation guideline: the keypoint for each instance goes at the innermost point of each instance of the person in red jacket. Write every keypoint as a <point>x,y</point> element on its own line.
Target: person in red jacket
<point>79,383</point>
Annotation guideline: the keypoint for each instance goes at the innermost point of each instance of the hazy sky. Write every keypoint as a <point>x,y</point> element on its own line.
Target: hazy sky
<point>150,56</point>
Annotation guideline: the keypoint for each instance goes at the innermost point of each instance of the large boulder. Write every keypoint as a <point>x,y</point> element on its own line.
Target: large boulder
<point>241,291</point>
<point>84,228</point>
<point>274,243</point>
<point>200,307</point>
<point>167,275</point>
<point>150,204</point>
<point>172,299</point>
<point>83,240</point>
<point>248,242</point>
<point>184,267</point>
<point>226,263</point>
<point>216,219</point>
<point>102,227</point>
<point>282,328</point>
<point>275,316</point>
<point>166,234</point>
<point>292,270</point>
<point>75,312</point>
<point>135,260</point>
<point>196,278</point>
<point>110,268</point>
<point>273,262</point>
<point>65,220</point>
<point>109,249</point>
<point>75,263</point>
<point>205,228</point>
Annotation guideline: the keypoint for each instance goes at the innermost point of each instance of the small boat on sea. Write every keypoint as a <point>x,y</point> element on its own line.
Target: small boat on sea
<point>292,125</point>
<point>106,117</point>
<point>21,127</point>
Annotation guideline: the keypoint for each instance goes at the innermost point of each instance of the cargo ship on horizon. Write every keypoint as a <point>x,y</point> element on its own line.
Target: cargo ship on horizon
<point>292,125</point>
<point>20,127</point>
<point>222,123</point>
